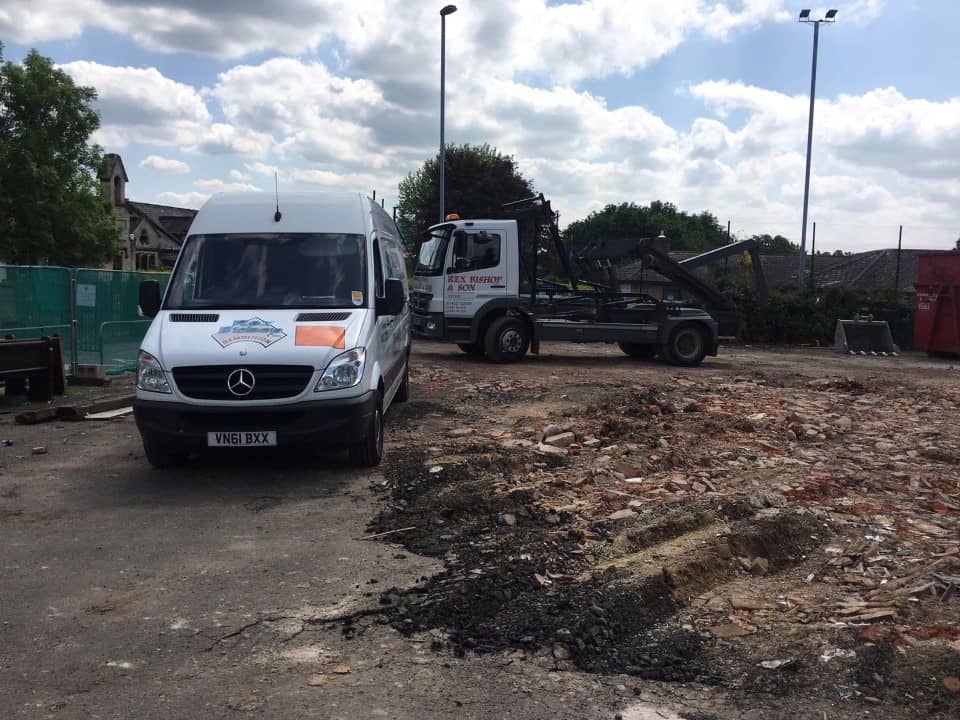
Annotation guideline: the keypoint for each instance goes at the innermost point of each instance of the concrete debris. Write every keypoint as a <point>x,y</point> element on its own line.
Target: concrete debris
<point>551,450</point>
<point>561,440</point>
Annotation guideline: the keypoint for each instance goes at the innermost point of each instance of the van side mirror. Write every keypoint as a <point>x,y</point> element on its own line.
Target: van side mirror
<point>394,298</point>
<point>149,298</point>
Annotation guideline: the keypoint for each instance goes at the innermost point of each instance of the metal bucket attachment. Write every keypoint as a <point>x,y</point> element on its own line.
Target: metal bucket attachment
<point>864,337</point>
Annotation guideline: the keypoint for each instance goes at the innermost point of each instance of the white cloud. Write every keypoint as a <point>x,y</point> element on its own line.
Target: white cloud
<point>356,182</point>
<point>141,105</point>
<point>215,185</point>
<point>260,168</point>
<point>204,188</point>
<point>225,139</point>
<point>184,199</point>
<point>514,67</point>
<point>570,41</point>
<point>861,12</point>
<point>164,164</point>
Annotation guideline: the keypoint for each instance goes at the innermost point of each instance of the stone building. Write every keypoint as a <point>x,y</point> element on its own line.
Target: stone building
<point>150,235</point>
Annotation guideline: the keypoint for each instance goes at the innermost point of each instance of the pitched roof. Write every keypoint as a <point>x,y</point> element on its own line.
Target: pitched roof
<point>109,167</point>
<point>170,222</point>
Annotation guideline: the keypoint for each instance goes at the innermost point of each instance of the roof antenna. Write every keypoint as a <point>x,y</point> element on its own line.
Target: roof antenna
<point>276,189</point>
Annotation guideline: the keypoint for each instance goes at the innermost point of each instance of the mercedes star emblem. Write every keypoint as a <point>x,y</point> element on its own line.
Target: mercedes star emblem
<point>240,382</point>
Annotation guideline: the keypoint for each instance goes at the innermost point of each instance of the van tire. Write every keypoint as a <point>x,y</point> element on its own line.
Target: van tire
<point>161,458</point>
<point>507,340</point>
<point>403,392</point>
<point>640,351</point>
<point>687,345</point>
<point>369,451</point>
<point>475,349</point>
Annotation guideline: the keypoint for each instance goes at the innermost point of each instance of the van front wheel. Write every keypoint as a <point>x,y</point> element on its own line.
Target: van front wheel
<point>369,451</point>
<point>161,458</point>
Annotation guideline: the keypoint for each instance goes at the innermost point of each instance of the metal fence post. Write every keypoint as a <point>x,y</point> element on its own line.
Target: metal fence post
<point>73,322</point>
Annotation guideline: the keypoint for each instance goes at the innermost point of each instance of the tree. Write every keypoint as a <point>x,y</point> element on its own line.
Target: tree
<point>776,245</point>
<point>51,208</point>
<point>479,180</point>
<point>685,231</point>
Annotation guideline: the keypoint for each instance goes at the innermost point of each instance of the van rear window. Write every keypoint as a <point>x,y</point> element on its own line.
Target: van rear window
<point>295,270</point>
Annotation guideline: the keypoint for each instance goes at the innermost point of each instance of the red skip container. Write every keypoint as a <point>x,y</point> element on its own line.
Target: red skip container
<point>936,323</point>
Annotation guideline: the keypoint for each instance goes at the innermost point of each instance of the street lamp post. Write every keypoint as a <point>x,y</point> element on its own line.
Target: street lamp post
<point>830,17</point>
<point>446,10</point>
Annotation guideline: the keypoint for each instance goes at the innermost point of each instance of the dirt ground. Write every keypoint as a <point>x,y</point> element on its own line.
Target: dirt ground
<point>773,535</point>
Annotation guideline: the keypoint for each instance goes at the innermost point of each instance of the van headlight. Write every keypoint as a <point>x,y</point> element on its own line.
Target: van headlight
<point>344,371</point>
<point>150,375</point>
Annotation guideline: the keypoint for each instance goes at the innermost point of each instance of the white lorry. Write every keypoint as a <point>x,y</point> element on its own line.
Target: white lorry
<point>476,285</point>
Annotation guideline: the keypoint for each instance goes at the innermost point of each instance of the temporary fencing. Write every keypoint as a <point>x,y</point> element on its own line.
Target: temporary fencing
<point>94,311</point>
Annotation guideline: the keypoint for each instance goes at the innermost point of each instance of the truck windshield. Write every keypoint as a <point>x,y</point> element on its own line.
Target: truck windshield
<point>433,251</point>
<point>301,270</point>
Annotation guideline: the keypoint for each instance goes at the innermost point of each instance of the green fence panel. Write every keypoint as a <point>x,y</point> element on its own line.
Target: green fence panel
<point>34,297</point>
<point>109,326</point>
<point>119,342</point>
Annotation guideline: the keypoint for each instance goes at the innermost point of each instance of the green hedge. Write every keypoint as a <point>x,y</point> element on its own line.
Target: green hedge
<point>809,316</point>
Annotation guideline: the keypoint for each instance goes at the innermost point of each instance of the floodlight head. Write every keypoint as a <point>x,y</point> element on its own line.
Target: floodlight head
<point>831,14</point>
<point>805,14</point>
<point>448,10</point>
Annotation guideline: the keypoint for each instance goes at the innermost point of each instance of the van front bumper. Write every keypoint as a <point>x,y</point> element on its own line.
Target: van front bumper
<point>182,427</point>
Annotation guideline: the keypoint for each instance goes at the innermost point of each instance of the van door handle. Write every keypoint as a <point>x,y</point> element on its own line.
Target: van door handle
<point>497,287</point>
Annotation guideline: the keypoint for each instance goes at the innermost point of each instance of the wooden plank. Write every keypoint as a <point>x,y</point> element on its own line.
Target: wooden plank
<point>79,412</point>
<point>33,417</point>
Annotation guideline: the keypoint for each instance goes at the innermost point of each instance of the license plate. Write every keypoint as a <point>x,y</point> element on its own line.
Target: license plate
<point>243,438</point>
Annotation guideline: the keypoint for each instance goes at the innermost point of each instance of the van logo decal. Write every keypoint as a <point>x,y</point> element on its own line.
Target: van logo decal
<point>255,330</point>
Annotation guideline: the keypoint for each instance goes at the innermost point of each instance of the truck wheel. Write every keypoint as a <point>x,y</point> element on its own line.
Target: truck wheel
<point>475,349</point>
<point>507,340</point>
<point>369,451</point>
<point>641,351</point>
<point>161,458</point>
<point>687,345</point>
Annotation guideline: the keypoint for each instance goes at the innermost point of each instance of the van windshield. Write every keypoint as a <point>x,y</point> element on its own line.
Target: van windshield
<point>295,270</point>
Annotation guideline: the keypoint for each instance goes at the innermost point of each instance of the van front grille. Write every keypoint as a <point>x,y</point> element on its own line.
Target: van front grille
<point>213,382</point>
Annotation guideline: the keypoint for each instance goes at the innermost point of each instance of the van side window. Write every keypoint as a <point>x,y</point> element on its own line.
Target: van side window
<point>378,268</point>
<point>393,259</point>
<point>481,250</point>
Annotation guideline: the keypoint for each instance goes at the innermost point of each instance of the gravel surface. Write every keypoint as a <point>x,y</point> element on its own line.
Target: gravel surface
<point>544,575</point>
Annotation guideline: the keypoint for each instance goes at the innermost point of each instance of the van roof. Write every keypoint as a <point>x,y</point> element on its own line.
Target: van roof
<point>253,212</point>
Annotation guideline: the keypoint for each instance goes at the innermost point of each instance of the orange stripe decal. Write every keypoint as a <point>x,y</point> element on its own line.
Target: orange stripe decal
<point>321,336</point>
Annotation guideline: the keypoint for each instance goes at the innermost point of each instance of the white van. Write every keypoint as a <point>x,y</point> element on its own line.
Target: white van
<point>284,324</point>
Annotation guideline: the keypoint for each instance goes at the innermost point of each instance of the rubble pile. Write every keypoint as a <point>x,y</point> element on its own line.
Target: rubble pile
<point>762,530</point>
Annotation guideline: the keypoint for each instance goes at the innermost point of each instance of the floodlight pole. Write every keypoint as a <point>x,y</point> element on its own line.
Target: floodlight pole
<point>447,10</point>
<point>806,180</point>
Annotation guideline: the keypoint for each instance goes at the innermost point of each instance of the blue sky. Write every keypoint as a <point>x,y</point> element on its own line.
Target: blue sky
<point>702,104</point>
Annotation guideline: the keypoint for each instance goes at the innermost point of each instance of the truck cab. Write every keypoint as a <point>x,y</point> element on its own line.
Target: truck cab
<point>464,268</point>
